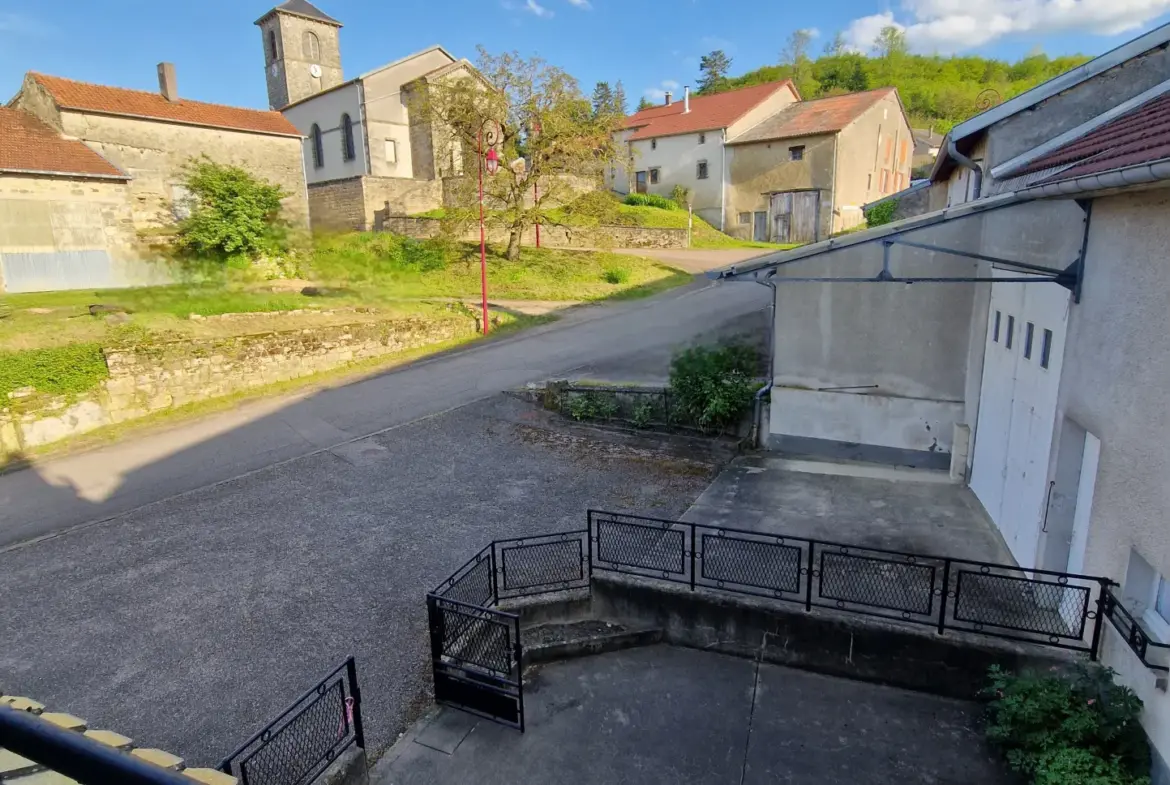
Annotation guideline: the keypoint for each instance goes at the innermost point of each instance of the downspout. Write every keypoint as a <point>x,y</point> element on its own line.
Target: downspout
<point>833,191</point>
<point>967,163</point>
<point>758,404</point>
<point>723,187</point>
<point>365,125</point>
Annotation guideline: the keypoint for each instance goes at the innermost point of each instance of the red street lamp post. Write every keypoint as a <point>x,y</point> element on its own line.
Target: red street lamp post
<point>489,131</point>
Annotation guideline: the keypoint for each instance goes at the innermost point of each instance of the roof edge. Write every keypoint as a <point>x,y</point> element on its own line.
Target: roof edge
<point>408,57</point>
<point>326,91</point>
<point>149,118</point>
<point>72,175</point>
<point>278,10</point>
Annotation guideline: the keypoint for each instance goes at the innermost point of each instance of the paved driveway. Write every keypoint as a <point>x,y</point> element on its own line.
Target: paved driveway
<point>190,623</point>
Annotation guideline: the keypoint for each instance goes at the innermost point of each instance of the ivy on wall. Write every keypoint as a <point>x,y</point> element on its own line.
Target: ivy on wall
<point>60,370</point>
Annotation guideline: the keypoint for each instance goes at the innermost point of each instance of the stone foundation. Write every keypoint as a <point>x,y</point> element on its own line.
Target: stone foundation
<point>552,236</point>
<point>155,377</point>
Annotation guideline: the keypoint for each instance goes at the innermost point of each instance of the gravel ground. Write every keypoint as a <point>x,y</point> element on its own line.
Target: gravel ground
<point>190,623</point>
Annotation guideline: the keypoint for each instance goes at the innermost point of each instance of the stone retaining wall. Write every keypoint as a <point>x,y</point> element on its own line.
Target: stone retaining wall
<point>155,377</point>
<point>552,236</point>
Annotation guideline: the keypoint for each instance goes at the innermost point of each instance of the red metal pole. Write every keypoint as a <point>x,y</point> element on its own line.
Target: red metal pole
<point>535,199</point>
<point>482,237</point>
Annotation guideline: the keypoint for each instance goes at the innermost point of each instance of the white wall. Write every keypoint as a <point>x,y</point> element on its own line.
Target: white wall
<point>677,158</point>
<point>326,111</point>
<point>388,112</point>
<point>853,416</point>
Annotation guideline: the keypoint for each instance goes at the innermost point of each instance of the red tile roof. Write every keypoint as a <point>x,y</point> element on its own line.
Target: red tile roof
<point>29,145</point>
<point>708,112</point>
<point>809,118</point>
<point>85,97</point>
<point>1141,136</point>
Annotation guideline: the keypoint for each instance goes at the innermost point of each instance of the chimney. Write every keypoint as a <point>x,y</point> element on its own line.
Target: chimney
<point>669,97</point>
<point>686,99</point>
<point>167,84</point>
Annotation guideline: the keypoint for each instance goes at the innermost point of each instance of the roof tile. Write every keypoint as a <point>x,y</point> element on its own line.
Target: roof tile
<point>1138,137</point>
<point>809,118</point>
<point>708,112</point>
<point>85,97</point>
<point>29,145</point>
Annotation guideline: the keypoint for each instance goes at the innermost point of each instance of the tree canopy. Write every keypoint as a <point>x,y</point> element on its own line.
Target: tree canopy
<point>937,91</point>
<point>714,68</point>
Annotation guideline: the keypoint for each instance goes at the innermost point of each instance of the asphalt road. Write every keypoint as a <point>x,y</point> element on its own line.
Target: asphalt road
<point>183,587</point>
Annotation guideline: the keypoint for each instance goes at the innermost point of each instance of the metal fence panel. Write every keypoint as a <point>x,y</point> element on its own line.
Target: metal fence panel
<point>760,564</point>
<point>536,565</point>
<point>307,736</point>
<point>473,583</point>
<point>635,545</point>
<point>875,582</point>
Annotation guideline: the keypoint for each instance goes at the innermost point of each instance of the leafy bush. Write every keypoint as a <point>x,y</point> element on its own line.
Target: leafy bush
<point>615,275</point>
<point>712,387</point>
<point>643,414</point>
<point>680,195</point>
<point>60,370</point>
<point>1078,729</point>
<point>881,214</point>
<point>233,215</point>
<point>593,406</point>
<point>651,200</point>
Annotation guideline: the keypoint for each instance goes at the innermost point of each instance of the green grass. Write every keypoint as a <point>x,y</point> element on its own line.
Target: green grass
<point>376,264</point>
<point>704,236</point>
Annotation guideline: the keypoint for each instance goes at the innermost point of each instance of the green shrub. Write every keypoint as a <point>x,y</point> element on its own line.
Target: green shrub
<point>593,406</point>
<point>651,200</point>
<point>881,214</point>
<point>615,275</point>
<point>1074,729</point>
<point>60,370</point>
<point>680,195</point>
<point>643,414</point>
<point>712,387</point>
<point>234,216</point>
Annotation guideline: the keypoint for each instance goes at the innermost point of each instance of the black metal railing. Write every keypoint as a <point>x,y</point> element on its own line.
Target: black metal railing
<point>75,755</point>
<point>476,650</point>
<point>1132,633</point>
<point>304,739</point>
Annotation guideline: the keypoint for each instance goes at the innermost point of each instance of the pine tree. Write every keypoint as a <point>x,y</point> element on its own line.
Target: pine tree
<point>602,99</point>
<point>714,68</point>
<point>645,103</point>
<point>619,99</point>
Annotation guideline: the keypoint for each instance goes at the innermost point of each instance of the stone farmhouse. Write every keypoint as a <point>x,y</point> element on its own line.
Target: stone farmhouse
<point>366,156</point>
<point>1015,333</point>
<point>762,164</point>
<point>87,170</point>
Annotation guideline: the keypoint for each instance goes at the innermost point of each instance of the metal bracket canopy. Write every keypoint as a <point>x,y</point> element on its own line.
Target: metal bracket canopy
<point>1069,277</point>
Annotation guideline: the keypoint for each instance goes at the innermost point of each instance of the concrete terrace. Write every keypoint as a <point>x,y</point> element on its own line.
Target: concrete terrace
<point>671,715</point>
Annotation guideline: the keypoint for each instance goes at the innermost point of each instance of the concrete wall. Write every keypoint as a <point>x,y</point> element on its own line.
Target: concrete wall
<point>388,117</point>
<point>676,159</point>
<point>364,203</point>
<point>908,344</point>
<point>774,103</point>
<point>49,220</point>
<point>759,169</point>
<point>154,153</point>
<point>1116,385</point>
<point>291,80</point>
<point>326,111</point>
<point>873,160</point>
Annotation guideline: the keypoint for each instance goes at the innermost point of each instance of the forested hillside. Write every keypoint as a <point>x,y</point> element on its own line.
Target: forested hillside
<point>937,91</point>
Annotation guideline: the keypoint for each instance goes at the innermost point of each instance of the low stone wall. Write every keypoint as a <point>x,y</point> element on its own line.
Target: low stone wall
<point>362,203</point>
<point>553,236</point>
<point>155,377</point>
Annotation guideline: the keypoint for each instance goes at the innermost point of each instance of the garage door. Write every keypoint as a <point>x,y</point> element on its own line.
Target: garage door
<point>1017,408</point>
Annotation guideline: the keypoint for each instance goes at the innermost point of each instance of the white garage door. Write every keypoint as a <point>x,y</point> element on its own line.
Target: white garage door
<point>1017,408</point>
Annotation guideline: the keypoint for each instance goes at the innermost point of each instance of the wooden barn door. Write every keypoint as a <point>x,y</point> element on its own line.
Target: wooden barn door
<point>794,216</point>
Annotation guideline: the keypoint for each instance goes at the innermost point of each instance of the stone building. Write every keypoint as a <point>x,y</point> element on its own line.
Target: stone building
<point>366,156</point>
<point>145,139</point>
<point>762,164</point>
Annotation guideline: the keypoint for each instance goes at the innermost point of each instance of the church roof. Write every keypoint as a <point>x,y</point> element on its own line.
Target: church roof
<point>101,99</point>
<point>301,8</point>
<point>30,146</point>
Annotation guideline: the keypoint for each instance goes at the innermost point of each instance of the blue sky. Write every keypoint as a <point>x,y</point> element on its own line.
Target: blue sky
<point>648,44</point>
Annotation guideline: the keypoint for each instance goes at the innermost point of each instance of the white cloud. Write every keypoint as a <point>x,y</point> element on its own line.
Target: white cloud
<point>659,93</point>
<point>670,84</point>
<point>584,5</point>
<point>954,25</point>
<point>812,32</point>
<point>537,9</point>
